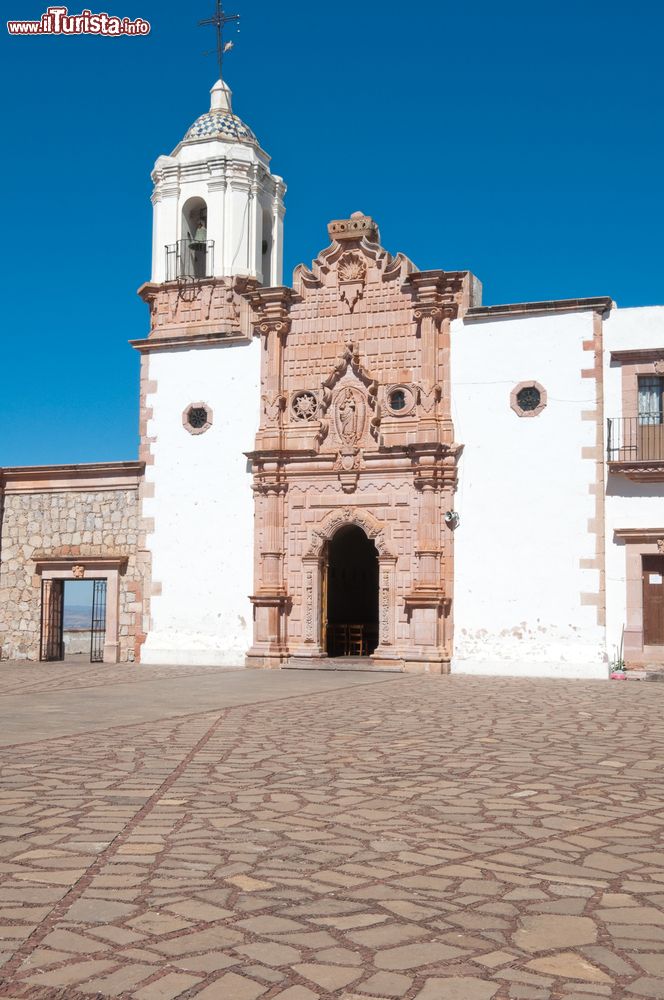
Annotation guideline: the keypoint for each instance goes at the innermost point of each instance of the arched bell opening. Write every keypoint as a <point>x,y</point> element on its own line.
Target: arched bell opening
<point>194,248</point>
<point>350,600</point>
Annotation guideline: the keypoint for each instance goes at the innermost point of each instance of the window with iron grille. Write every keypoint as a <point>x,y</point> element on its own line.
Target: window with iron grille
<point>529,398</point>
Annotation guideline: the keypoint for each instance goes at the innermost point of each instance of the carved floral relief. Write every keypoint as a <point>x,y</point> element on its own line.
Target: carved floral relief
<point>304,406</point>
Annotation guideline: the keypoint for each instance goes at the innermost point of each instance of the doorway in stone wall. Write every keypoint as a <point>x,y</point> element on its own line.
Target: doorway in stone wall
<point>73,620</point>
<point>350,594</point>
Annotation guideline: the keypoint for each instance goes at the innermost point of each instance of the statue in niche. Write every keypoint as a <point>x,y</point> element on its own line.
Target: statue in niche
<point>348,416</point>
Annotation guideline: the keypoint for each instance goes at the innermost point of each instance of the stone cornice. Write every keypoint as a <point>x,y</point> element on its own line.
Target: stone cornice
<point>188,340</point>
<point>45,563</point>
<point>638,355</point>
<point>75,478</point>
<point>600,304</point>
<point>638,534</point>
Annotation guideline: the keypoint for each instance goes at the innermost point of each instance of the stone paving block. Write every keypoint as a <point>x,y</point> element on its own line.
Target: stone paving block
<point>414,956</point>
<point>457,988</point>
<point>70,975</point>
<point>330,977</point>
<point>232,985</point>
<point>569,965</point>
<point>172,985</point>
<point>126,978</point>
<point>387,984</point>
<point>541,933</point>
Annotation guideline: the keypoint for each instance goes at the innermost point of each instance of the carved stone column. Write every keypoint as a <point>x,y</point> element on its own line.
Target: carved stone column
<point>271,307</point>
<point>270,600</point>
<point>428,316</point>
<point>387,610</point>
<point>312,642</point>
<point>426,599</point>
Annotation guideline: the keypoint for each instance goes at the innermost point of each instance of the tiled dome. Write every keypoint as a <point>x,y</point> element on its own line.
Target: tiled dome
<point>222,124</point>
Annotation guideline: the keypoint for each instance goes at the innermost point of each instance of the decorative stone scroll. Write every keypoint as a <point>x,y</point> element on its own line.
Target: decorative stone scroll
<point>660,545</point>
<point>78,571</point>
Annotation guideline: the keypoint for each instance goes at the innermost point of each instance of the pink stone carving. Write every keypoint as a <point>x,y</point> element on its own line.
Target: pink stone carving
<point>356,322</point>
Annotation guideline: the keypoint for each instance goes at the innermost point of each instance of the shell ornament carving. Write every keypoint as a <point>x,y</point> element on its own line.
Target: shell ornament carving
<point>352,268</point>
<point>352,274</point>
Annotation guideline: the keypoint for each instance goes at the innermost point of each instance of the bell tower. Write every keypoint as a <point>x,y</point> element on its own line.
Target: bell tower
<point>218,211</point>
<point>217,237</point>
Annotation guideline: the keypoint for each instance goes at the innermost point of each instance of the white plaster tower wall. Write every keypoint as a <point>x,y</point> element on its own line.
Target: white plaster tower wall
<point>202,508</point>
<point>526,500</point>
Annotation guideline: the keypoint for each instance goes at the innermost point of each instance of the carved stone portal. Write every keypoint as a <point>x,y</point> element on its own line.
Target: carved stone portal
<point>356,430</point>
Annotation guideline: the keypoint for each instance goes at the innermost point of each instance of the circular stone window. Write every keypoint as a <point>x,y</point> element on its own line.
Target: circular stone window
<point>197,418</point>
<point>304,406</point>
<point>528,399</point>
<point>400,400</point>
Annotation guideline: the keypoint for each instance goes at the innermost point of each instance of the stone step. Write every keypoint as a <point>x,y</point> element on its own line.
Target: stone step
<point>343,663</point>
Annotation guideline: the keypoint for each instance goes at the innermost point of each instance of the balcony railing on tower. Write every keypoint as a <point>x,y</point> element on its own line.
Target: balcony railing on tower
<point>190,258</point>
<point>635,439</point>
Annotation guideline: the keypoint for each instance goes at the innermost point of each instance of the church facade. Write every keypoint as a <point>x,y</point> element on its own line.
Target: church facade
<point>364,466</point>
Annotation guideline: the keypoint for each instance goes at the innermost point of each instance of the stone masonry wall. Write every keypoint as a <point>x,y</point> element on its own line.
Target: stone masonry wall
<point>65,523</point>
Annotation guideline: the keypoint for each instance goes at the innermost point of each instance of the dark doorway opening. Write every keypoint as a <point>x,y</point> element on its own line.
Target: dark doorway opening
<point>73,620</point>
<point>351,600</point>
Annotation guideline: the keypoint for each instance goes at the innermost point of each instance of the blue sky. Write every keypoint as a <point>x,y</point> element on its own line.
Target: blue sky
<point>523,141</point>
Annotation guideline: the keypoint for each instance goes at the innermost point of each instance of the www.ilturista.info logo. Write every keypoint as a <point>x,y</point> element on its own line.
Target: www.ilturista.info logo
<point>58,21</point>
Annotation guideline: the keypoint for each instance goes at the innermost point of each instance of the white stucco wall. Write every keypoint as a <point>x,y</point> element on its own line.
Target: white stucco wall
<point>202,544</point>
<point>524,501</point>
<point>628,504</point>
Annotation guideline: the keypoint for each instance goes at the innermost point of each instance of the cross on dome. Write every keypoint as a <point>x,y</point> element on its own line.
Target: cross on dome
<point>220,19</point>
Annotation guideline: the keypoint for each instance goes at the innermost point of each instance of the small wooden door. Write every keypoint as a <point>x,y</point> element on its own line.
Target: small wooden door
<point>653,600</point>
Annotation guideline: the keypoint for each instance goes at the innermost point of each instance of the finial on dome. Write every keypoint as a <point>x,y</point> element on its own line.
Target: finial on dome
<point>220,97</point>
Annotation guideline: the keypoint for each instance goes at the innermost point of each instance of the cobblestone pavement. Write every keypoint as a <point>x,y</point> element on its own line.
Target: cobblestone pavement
<point>396,837</point>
